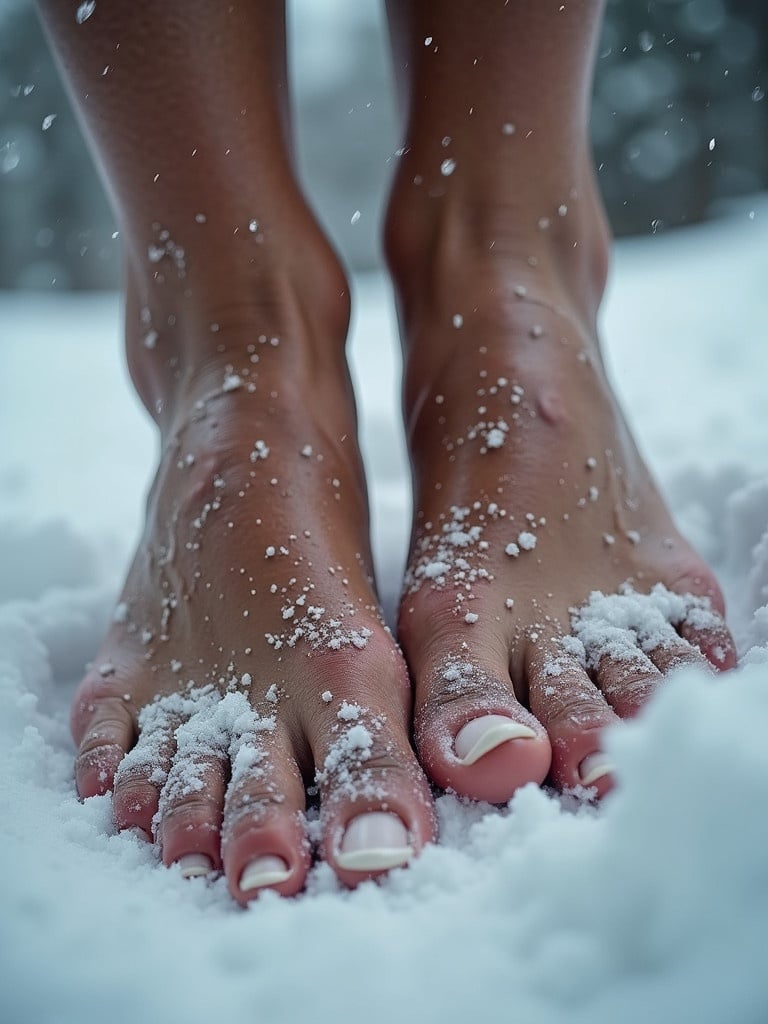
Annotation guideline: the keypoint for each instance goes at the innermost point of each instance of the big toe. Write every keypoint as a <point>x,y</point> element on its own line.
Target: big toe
<point>472,734</point>
<point>703,625</point>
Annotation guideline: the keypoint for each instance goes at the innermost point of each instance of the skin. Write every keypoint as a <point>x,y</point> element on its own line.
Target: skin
<point>236,315</point>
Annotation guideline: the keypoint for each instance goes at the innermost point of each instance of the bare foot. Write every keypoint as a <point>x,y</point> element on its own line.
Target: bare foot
<point>248,657</point>
<point>530,498</point>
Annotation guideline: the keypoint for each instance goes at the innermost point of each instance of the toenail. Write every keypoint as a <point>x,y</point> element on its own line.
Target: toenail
<point>594,767</point>
<point>482,735</point>
<point>374,842</point>
<point>193,865</point>
<point>263,871</point>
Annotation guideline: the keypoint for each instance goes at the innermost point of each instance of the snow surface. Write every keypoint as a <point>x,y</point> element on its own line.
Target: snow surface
<point>655,907</point>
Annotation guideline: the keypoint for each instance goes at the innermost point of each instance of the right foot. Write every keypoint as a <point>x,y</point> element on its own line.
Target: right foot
<point>248,656</point>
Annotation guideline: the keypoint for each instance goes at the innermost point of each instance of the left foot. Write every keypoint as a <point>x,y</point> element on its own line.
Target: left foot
<point>530,496</point>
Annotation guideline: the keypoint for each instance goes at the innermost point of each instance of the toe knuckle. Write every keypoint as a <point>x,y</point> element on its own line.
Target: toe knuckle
<point>193,809</point>
<point>584,707</point>
<point>461,685</point>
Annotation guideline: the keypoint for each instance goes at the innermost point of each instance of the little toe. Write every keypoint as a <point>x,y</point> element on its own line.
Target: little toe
<point>264,839</point>
<point>574,713</point>
<point>105,729</point>
<point>472,734</point>
<point>704,625</point>
<point>376,808</point>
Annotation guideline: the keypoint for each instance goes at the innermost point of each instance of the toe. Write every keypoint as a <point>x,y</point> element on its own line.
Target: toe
<point>628,685</point>
<point>376,808</point>
<point>104,728</point>
<point>472,734</point>
<point>574,713</point>
<point>704,626</point>
<point>190,814</point>
<point>144,770</point>
<point>675,652</point>
<point>188,821</point>
<point>264,840</point>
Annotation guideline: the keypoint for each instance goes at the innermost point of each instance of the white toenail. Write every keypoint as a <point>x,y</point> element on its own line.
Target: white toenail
<point>193,865</point>
<point>374,842</point>
<point>594,767</point>
<point>481,735</point>
<point>263,871</point>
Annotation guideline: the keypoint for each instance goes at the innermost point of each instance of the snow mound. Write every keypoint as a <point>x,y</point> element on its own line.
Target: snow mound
<point>563,912</point>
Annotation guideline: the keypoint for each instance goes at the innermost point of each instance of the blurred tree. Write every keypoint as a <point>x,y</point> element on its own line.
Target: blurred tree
<point>679,122</point>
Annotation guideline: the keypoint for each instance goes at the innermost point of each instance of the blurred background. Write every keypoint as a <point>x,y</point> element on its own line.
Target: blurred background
<point>679,126</point>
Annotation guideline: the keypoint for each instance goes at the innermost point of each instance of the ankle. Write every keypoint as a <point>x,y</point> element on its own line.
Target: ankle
<point>282,318</point>
<point>444,243</point>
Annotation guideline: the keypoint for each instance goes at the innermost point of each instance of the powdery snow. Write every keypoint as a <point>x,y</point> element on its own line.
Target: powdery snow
<point>653,908</point>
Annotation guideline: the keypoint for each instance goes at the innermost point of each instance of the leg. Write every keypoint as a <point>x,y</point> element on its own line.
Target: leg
<point>530,493</point>
<point>248,655</point>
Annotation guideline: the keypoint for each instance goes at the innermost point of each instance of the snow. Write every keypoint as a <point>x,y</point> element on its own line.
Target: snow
<point>655,907</point>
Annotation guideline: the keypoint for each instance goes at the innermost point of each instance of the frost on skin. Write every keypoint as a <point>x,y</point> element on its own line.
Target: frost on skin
<point>202,724</point>
<point>344,763</point>
<point>627,626</point>
<point>260,451</point>
<point>164,248</point>
<point>315,626</point>
<point>453,555</point>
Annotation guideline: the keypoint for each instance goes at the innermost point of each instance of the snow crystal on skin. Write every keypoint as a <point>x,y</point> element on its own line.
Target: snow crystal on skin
<point>260,451</point>
<point>164,247</point>
<point>220,728</point>
<point>232,381</point>
<point>248,731</point>
<point>625,625</point>
<point>460,677</point>
<point>493,433</point>
<point>343,767</point>
<point>526,540</point>
<point>494,438</point>
<point>449,556</point>
<point>156,721</point>
<point>348,712</point>
<point>319,629</point>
